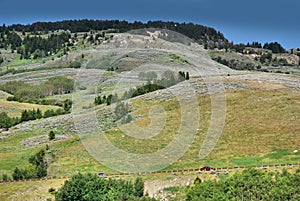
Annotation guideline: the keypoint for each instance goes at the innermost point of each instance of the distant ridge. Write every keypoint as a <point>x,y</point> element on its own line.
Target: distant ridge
<point>199,33</point>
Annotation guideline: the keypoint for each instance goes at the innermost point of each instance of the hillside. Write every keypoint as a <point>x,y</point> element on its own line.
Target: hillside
<point>217,115</point>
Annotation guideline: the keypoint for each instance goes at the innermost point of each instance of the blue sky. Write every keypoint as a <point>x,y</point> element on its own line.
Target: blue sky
<point>239,21</point>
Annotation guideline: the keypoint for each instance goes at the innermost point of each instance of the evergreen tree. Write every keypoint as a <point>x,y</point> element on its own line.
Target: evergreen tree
<point>51,135</point>
<point>39,114</point>
<point>139,187</point>
<point>187,77</point>
<point>24,116</point>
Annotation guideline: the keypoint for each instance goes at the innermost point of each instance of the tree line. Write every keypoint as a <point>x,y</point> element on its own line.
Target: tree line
<point>199,33</point>
<point>7,122</point>
<point>34,46</point>
<point>169,78</point>
<point>24,92</point>
<point>275,47</point>
<point>91,187</point>
<point>251,184</point>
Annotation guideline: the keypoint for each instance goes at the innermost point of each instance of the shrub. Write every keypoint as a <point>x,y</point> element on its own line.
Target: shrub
<point>5,177</point>
<point>92,187</point>
<point>51,190</point>
<point>51,135</point>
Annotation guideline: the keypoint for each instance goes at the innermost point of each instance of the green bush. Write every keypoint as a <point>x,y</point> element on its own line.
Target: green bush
<point>251,184</point>
<point>51,135</point>
<point>91,187</point>
<point>24,92</point>
<point>6,122</point>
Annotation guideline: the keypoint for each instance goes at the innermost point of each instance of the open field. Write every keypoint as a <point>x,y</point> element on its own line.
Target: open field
<point>34,190</point>
<point>269,138</point>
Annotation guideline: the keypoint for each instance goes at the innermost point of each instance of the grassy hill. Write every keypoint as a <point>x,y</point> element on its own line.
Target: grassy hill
<point>260,127</point>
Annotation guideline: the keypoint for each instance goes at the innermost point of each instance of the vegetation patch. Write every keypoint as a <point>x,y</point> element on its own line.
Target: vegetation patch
<point>251,184</point>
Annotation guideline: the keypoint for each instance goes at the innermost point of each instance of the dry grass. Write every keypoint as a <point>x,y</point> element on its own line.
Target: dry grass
<point>34,190</point>
<point>258,123</point>
<point>4,95</point>
<point>261,127</point>
<point>14,109</point>
<point>157,142</point>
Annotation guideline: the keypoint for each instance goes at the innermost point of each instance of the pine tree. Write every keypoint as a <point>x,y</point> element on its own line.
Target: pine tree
<point>24,116</point>
<point>51,135</point>
<point>139,187</point>
<point>187,77</point>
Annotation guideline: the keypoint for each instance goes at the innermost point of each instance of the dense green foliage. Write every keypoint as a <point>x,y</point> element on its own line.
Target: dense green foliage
<point>27,115</point>
<point>34,46</point>
<point>251,184</point>
<point>36,169</point>
<point>91,187</point>
<point>6,122</point>
<point>275,47</point>
<point>41,47</point>
<point>24,92</point>
<point>51,135</point>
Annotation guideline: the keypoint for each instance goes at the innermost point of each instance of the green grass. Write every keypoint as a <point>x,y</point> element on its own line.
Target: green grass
<point>109,73</point>
<point>261,128</point>
<point>19,62</point>
<point>178,59</point>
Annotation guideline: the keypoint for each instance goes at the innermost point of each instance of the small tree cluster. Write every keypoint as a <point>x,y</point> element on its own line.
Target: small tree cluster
<point>266,58</point>
<point>168,79</point>
<point>36,169</point>
<point>91,187</point>
<point>28,115</point>
<point>251,184</point>
<point>184,76</point>
<point>106,99</point>
<point>6,122</point>
<point>275,47</point>
<point>24,92</point>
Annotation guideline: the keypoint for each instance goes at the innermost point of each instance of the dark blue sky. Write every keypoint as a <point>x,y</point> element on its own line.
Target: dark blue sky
<point>240,21</point>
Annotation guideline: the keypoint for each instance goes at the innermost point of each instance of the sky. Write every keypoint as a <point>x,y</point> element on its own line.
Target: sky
<point>240,21</point>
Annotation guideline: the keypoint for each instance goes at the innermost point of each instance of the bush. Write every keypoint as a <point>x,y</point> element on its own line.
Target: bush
<point>36,169</point>
<point>51,190</point>
<point>139,187</point>
<point>5,177</point>
<point>91,187</point>
<point>49,113</point>
<point>6,122</point>
<point>51,135</point>
<point>251,184</point>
